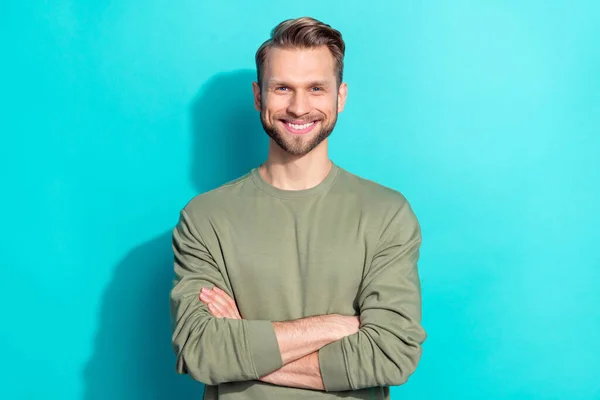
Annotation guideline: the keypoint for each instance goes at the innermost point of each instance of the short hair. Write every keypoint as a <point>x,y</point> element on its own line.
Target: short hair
<point>303,33</point>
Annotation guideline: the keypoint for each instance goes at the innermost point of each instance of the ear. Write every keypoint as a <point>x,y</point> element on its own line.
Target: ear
<point>256,90</point>
<point>342,94</point>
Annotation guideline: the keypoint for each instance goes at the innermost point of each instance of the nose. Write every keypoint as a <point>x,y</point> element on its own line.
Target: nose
<point>299,104</point>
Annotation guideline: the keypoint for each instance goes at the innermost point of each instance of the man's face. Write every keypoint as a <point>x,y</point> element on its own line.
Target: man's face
<point>299,99</point>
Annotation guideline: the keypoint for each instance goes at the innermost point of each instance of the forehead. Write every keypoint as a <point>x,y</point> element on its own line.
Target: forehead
<point>299,65</point>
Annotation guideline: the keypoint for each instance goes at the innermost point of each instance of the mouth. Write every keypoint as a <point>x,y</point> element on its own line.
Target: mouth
<point>299,129</point>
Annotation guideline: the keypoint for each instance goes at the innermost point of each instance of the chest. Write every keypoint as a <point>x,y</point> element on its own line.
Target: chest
<point>286,265</point>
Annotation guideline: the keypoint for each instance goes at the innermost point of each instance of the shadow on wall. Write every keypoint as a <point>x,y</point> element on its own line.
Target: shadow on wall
<point>132,356</point>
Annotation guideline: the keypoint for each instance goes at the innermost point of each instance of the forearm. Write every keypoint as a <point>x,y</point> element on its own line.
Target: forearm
<point>303,373</point>
<point>304,336</point>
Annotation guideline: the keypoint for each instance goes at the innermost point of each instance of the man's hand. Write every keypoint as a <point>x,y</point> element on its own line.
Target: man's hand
<point>219,303</point>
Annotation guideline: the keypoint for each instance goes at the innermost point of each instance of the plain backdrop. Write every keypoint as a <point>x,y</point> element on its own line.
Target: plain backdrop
<point>484,114</point>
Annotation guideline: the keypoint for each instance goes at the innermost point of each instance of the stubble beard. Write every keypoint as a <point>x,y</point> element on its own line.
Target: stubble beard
<point>297,145</point>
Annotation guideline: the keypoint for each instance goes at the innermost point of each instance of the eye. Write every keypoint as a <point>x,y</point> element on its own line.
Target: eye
<point>281,88</point>
<point>317,89</point>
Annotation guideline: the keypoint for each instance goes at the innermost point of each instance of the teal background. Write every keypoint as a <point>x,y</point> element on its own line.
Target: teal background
<point>485,114</point>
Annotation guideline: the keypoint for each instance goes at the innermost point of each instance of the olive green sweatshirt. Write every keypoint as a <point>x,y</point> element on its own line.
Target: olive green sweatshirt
<point>346,246</point>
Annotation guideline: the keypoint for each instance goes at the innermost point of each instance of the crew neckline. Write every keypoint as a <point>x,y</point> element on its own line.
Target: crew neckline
<point>291,194</point>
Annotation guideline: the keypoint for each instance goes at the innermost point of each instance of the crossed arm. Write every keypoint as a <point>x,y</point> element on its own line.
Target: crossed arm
<point>295,340</point>
<point>325,352</point>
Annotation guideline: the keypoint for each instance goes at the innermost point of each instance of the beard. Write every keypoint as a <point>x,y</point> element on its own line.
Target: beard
<point>297,145</point>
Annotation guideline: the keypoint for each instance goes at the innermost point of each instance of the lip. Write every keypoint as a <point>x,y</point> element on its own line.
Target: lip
<point>299,131</point>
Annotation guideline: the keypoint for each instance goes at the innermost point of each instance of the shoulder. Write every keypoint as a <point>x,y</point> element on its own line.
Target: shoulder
<point>215,201</point>
<point>386,208</point>
<point>373,193</point>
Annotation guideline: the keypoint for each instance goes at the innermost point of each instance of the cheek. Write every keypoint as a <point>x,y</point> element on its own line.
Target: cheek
<point>274,104</point>
<point>326,104</point>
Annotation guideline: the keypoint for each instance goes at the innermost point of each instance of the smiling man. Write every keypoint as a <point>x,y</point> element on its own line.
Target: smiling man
<point>299,279</point>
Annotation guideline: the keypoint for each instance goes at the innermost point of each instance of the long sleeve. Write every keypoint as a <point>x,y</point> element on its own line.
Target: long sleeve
<point>213,350</point>
<point>387,348</point>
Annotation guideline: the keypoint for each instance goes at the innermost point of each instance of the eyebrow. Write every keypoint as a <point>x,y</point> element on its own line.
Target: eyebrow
<point>277,82</point>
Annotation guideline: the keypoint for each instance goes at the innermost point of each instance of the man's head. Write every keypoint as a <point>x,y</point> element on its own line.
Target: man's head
<point>299,89</point>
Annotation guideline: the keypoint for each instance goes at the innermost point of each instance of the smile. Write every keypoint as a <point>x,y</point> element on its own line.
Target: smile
<point>299,129</point>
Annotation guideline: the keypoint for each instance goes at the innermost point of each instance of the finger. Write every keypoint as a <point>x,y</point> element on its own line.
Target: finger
<point>215,311</point>
<point>234,310</point>
<point>222,303</point>
<point>225,300</point>
<point>224,294</point>
<point>218,309</point>
<point>204,295</point>
<point>214,307</point>
<point>205,298</point>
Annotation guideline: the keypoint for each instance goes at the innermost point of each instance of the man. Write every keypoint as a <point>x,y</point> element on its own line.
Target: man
<point>299,279</point>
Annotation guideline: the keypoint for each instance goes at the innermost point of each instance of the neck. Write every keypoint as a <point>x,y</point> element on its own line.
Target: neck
<point>289,172</point>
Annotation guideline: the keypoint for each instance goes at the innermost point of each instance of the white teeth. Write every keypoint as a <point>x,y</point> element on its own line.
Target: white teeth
<point>298,127</point>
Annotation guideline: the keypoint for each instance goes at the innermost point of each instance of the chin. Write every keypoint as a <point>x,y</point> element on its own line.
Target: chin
<point>297,144</point>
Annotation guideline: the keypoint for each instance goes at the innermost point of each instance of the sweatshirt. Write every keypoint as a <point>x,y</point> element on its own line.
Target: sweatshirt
<point>346,246</point>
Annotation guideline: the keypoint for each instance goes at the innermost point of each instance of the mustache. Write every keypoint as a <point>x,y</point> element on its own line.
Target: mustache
<point>302,120</point>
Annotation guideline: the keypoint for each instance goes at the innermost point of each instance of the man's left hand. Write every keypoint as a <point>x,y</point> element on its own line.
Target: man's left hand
<point>219,303</point>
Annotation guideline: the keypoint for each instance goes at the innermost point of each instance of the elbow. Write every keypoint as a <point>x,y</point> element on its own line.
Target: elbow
<point>400,377</point>
<point>190,361</point>
<point>200,371</point>
<point>205,358</point>
<point>405,364</point>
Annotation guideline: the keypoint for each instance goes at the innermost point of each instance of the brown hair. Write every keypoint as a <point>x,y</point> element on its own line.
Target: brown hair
<point>303,33</point>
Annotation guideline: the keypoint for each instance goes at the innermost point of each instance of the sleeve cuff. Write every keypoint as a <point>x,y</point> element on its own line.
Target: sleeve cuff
<point>264,349</point>
<point>333,367</point>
